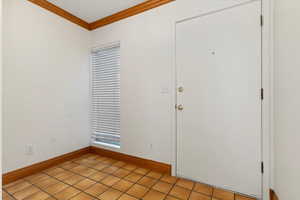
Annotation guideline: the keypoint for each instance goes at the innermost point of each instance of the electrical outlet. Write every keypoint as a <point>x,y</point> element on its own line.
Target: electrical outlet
<point>29,149</point>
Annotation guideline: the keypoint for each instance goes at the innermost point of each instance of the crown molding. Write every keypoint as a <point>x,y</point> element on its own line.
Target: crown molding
<point>61,12</point>
<point>150,4</point>
<point>128,13</point>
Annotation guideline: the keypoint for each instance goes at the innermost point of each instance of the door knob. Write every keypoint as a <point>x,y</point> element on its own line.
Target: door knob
<point>180,107</point>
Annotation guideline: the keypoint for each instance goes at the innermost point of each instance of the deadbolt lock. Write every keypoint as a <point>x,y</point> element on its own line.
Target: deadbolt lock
<point>180,89</point>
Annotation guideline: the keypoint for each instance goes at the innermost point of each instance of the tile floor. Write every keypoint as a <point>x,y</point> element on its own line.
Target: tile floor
<point>92,177</point>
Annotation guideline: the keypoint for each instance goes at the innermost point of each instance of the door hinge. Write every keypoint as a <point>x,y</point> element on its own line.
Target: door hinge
<point>262,167</point>
<point>262,93</point>
<point>261,20</point>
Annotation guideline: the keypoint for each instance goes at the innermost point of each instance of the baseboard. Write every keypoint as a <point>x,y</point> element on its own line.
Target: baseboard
<point>35,168</point>
<point>32,169</point>
<point>149,164</point>
<point>273,195</point>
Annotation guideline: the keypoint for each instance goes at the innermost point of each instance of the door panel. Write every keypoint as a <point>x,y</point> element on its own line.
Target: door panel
<point>218,58</point>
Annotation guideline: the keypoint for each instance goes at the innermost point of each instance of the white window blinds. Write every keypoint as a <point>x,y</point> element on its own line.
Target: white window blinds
<point>106,95</point>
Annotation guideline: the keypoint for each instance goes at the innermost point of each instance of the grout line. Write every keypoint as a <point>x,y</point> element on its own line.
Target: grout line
<point>134,185</point>
<point>79,182</point>
<point>87,177</point>
<point>123,178</point>
<point>192,190</point>
<point>50,195</point>
<point>26,188</point>
<point>150,188</point>
<point>8,193</point>
<point>173,185</point>
<point>93,157</point>
<point>109,187</point>
<point>69,185</point>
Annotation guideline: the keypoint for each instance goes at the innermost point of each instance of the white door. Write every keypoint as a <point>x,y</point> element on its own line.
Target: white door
<point>219,129</point>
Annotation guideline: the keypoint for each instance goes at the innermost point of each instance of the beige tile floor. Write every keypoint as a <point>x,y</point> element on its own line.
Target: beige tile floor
<point>92,177</point>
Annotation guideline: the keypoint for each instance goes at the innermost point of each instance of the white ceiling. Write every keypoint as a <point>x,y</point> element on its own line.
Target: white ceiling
<point>92,10</point>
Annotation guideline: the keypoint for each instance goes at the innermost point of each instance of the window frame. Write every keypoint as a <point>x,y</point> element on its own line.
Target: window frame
<point>91,110</point>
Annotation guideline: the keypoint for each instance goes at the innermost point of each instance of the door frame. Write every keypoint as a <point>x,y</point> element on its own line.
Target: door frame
<point>267,140</point>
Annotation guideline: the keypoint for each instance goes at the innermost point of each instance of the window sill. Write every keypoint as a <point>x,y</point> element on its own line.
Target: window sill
<point>107,145</point>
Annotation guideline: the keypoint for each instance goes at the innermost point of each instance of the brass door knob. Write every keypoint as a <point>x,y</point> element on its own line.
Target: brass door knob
<point>180,107</point>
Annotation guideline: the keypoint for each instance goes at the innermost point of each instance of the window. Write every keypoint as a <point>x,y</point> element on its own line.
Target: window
<point>106,95</point>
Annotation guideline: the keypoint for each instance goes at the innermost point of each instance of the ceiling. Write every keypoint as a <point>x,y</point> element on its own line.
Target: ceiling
<point>92,10</point>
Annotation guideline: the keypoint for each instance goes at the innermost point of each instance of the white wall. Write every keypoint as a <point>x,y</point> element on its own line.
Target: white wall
<point>46,77</point>
<point>287,99</point>
<point>146,66</point>
<point>1,51</point>
<point>147,71</point>
<point>45,85</point>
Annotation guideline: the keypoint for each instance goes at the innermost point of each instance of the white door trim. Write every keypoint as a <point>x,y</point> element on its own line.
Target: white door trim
<point>267,105</point>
